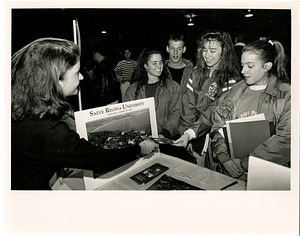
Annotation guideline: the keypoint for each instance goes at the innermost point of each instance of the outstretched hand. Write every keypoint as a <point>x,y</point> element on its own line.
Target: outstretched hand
<point>148,146</point>
<point>182,141</point>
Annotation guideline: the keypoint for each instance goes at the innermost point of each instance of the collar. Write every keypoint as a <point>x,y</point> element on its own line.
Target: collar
<point>272,86</point>
<point>271,89</point>
<point>258,87</point>
<point>187,62</point>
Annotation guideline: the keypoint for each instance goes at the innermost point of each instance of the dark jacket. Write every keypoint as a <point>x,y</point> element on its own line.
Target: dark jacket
<point>104,84</point>
<point>167,104</point>
<point>275,103</point>
<point>199,103</point>
<point>185,75</point>
<point>40,148</point>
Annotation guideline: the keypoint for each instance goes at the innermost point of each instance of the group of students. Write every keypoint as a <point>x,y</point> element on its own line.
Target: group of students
<point>191,103</point>
<point>195,102</point>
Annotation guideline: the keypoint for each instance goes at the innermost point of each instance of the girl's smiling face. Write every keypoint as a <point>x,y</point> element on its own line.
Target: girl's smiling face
<point>70,82</point>
<point>212,53</point>
<point>253,69</point>
<point>154,65</point>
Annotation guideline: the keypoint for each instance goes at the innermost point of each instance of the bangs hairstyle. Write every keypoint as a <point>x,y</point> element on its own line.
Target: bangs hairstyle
<point>228,66</point>
<point>35,73</point>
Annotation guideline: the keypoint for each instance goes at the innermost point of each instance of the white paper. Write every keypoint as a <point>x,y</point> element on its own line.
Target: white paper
<point>266,175</point>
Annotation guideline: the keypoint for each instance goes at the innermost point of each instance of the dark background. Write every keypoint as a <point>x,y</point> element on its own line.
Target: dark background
<point>139,27</point>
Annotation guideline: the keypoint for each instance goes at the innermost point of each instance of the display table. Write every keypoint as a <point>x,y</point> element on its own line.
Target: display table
<point>179,169</point>
<point>119,179</point>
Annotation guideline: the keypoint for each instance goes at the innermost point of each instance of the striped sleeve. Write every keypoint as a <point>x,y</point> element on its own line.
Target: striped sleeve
<point>228,85</point>
<point>189,85</point>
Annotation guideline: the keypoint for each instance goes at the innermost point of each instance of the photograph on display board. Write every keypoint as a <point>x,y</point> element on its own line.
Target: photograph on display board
<point>118,125</point>
<point>121,130</point>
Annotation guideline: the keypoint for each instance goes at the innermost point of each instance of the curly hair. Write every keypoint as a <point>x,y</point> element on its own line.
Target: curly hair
<point>270,51</point>
<point>35,73</point>
<point>141,75</point>
<point>228,67</point>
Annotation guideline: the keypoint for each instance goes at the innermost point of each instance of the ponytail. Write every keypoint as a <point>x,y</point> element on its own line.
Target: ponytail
<point>271,51</point>
<point>280,62</point>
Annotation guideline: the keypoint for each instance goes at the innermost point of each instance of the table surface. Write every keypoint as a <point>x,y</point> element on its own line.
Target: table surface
<point>179,169</point>
<point>119,179</point>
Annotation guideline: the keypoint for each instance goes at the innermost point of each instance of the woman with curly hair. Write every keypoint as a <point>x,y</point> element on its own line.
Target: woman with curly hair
<point>44,73</point>
<point>152,80</point>
<point>217,69</point>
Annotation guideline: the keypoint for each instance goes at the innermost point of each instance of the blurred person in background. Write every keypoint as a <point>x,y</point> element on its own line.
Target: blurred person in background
<point>124,71</point>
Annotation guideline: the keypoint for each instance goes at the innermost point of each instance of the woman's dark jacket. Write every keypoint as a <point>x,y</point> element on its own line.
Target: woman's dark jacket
<point>40,148</point>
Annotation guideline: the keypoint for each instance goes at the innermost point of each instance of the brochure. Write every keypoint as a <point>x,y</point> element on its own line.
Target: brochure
<point>167,182</point>
<point>117,125</point>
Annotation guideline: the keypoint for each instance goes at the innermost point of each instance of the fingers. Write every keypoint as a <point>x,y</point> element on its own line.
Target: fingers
<point>232,169</point>
<point>190,148</point>
<point>60,174</point>
<point>235,170</point>
<point>182,141</point>
<point>179,142</point>
<point>148,146</point>
<point>60,180</point>
<point>237,163</point>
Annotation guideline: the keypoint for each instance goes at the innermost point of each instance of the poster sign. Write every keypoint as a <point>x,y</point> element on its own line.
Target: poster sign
<point>114,126</point>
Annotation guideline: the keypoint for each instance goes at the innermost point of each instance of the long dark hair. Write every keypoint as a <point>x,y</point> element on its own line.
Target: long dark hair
<point>270,51</point>
<point>140,73</point>
<point>35,73</point>
<point>228,66</point>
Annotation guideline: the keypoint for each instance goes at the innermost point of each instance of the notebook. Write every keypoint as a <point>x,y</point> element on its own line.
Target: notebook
<point>244,137</point>
<point>266,175</point>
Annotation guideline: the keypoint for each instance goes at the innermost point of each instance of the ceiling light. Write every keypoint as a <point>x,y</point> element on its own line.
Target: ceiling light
<point>249,14</point>
<point>103,31</point>
<point>190,22</point>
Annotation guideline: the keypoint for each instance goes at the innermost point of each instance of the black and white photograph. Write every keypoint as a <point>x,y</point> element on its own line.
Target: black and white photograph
<point>100,92</point>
